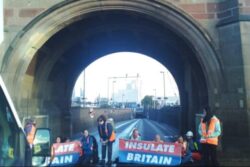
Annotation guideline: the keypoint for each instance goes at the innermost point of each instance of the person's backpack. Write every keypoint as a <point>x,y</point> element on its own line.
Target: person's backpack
<point>112,122</point>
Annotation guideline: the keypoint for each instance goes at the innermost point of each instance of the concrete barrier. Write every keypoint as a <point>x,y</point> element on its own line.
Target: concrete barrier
<point>168,115</point>
<point>86,118</point>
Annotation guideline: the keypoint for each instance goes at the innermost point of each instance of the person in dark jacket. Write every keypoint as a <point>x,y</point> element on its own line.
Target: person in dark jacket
<point>193,146</point>
<point>107,137</point>
<point>87,147</point>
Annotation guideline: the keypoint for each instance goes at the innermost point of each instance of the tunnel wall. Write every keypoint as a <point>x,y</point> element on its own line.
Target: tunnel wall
<point>167,115</point>
<point>219,18</point>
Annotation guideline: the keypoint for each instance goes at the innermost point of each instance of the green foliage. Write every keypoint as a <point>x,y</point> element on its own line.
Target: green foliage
<point>147,102</point>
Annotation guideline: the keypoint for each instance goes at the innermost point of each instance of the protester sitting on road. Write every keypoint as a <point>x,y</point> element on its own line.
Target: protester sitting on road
<point>135,135</point>
<point>193,146</point>
<point>158,138</point>
<point>186,155</point>
<point>87,147</point>
<point>58,140</point>
<point>67,140</point>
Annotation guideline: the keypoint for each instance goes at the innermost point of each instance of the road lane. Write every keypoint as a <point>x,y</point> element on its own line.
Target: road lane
<point>147,128</point>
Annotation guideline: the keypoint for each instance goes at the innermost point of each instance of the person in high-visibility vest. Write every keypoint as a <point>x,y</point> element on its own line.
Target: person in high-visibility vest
<point>209,131</point>
<point>30,130</point>
<point>107,137</point>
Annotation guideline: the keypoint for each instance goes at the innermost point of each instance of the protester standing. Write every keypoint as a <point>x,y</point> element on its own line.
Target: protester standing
<point>209,130</point>
<point>30,130</point>
<point>107,137</point>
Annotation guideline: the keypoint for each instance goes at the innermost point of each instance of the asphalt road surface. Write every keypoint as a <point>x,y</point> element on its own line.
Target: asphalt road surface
<point>147,128</point>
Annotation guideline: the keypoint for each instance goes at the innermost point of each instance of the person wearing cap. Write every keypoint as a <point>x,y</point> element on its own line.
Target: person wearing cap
<point>193,146</point>
<point>209,131</point>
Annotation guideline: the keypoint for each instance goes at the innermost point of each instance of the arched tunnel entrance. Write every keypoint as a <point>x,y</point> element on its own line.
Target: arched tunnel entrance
<point>122,87</point>
<point>51,51</point>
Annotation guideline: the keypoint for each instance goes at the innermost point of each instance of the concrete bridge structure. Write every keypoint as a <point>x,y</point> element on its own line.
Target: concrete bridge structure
<point>203,43</point>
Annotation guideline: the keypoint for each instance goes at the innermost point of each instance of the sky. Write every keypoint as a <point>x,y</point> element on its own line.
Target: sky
<point>150,80</point>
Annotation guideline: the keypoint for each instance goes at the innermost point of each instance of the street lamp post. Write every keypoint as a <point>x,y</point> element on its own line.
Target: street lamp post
<point>164,95</point>
<point>108,90</point>
<point>123,100</point>
<point>163,74</point>
<point>154,98</point>
<point>84,88</point>
<point>137,87</point>
<point>113,93</point>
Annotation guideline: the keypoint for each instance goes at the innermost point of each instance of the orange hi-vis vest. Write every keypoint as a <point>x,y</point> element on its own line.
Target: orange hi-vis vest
<point>112,137</point>
<point>209,131</point>
<point>31,135</point>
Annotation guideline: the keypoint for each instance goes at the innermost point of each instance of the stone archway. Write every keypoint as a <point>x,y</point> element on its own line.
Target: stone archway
<point>18,69</point>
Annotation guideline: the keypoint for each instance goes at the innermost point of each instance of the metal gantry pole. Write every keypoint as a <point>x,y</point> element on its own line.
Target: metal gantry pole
<point>108,89</point>
<point>164,92</point>
<point>122,77</point>
<point>113,93</point>
<point>154,98</point>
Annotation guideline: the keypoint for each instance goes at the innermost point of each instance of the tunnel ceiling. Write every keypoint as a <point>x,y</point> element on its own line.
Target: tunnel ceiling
<point>67,53</point>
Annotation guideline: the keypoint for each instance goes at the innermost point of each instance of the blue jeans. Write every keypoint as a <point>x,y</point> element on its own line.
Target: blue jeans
<point>186,158</point>
<point>104,148</point>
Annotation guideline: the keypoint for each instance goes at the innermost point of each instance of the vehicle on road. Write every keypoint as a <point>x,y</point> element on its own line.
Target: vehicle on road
<point>139,112</point>
<point>14,148</point>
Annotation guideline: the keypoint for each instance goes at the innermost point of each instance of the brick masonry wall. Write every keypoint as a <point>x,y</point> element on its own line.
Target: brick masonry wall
<point>18,13</point>
<point>198,10</point>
